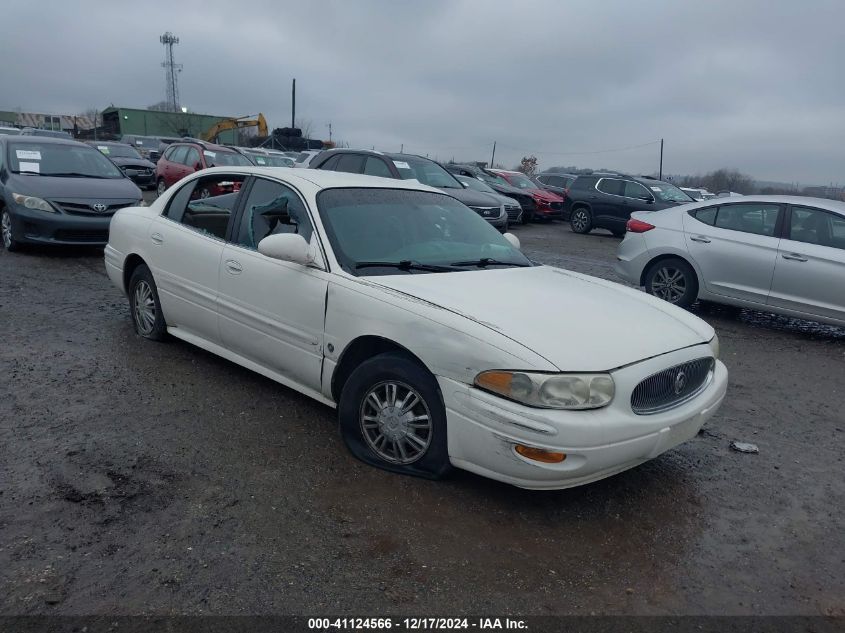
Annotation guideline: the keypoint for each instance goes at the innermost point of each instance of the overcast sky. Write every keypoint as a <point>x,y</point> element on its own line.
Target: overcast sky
<point>753,85</point>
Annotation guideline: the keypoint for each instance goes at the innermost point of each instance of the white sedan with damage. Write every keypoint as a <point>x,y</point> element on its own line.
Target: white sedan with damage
<point>438,341</point>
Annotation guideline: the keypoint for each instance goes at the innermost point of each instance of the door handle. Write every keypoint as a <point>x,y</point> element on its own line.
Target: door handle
<point>795,257</point>
<point>700,238</point>
<point>157,238</point>
<point>234,267</point>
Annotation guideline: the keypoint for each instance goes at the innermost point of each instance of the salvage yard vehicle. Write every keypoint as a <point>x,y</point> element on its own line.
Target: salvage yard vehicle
<point>606,201</point>
<point>548,205</point>
<point>397,304</point>
<point>9,131</point>
<point>498,184</point>
<point>512,208</point>
<point>410,166</point>
<point>190,155</point>
<point>781,254</point>
<point>137,168</point>
<point>58,191</point>
<point>265,157</point>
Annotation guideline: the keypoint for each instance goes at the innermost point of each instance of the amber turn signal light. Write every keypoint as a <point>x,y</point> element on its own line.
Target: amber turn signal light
<point>540,454</point>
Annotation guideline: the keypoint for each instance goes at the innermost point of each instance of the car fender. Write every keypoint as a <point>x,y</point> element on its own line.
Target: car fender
<point>449,344</point>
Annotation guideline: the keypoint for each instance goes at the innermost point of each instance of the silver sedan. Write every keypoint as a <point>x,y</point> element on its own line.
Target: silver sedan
<point>781,254</point>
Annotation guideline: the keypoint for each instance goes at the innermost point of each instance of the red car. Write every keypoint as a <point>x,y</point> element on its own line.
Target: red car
<point>549,205</point>
<point>189,155</point>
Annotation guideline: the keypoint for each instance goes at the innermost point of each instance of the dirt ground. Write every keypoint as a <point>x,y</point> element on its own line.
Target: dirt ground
<point>143,478</point>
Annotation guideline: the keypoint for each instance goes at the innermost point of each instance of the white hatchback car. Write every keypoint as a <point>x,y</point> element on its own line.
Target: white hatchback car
<point>781,254</point>
<point>436,339</point>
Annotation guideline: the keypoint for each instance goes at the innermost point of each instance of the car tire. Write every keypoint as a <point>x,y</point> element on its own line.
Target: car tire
<point>672,280</point>
<point>9,241</point>
<point>581,220</point>
<point>373,424</point>
<point>145,307</point>
<point>161,186</point>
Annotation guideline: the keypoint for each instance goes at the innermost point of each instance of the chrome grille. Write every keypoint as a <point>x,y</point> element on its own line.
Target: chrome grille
<point>76,208</point>
<point>671,387</point>
<point>513,213</point>
<point>487,212</point>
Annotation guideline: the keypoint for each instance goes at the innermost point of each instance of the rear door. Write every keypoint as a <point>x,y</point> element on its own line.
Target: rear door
<point>735,247</point>
<point>609,203</point>
<point>270,311</point>
<point>187,243</point>
<point>810,267</point>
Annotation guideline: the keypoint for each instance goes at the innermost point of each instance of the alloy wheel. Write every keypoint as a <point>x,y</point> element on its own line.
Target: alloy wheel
<point>161,187</point>
<point>669,284</point>
<point>580,220</point>
<point>395,422</point>
<point>6,223</point>
<point>145,308</point>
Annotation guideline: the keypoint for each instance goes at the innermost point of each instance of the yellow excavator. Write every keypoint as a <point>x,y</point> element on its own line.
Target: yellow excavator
<point>238,123</point>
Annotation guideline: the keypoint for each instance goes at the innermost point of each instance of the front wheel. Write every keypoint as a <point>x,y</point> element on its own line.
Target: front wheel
<point>581,220</point>
<point>147,317</point>
<point>161,187</point>
<point>9,240</point>
<point>672,280</point>
<point>392,416</point>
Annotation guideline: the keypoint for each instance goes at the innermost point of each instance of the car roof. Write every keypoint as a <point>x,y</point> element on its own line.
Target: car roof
<point>320,179</point>
<point>205,145</point>
<point>49,140</point>
<point>824,203</point>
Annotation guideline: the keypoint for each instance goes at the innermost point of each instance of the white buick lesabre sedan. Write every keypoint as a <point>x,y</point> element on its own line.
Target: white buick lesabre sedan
<point>439,343</point>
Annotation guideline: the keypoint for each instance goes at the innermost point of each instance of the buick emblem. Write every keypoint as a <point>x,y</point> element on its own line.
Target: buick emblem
<point>680,382</point>
<point>99,207</point>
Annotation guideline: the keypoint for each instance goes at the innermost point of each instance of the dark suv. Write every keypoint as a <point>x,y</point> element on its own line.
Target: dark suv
<point>557,183</point>
<point>606,201</point>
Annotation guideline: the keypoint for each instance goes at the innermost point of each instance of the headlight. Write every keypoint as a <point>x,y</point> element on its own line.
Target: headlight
<point>549,391</point>
<point>714,345</point>
<point>502,212</point>
<point>31,202</point>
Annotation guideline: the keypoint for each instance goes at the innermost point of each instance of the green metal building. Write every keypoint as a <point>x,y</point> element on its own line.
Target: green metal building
<point>120,121</point>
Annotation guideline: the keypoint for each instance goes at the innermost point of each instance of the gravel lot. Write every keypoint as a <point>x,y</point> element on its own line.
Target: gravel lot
<point>159,479</point>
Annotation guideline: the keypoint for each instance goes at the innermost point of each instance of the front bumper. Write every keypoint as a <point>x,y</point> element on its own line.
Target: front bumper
<point>39,227</point>
<point>142,179</point>
<point>547,212</point>
<point>483,429</point>
<point>500,223</point>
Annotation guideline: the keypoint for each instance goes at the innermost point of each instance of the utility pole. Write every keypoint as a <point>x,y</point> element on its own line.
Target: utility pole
<point>493,157</point>
<point>330,131</point>
<point>402,148</point>
<point>660,174</point>
<point>293,105</point>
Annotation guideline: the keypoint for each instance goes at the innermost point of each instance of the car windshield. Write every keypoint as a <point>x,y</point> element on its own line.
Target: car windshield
<point>60,159</point>
<point>668,193</point>
<point>476,184</point>
<point>493,179</point>
<point>271,160</point>
<point>225,159</point>
<point>119,151</point>
<point>427,172</point>
<point>523,182</point>
<point>409,228</point>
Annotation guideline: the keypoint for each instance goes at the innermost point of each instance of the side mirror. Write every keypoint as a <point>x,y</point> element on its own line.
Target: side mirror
<point>513,240</point>
<point>647,199</point>
<point>287,247</point>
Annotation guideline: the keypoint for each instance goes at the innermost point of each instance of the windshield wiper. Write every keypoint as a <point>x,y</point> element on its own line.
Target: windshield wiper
<point>488,261</point>
<point>405,264</point>
<point>72,174</point>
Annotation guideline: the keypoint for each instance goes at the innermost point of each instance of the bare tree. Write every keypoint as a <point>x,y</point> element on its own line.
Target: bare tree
<point>528,165</point>
<point>306,125</point>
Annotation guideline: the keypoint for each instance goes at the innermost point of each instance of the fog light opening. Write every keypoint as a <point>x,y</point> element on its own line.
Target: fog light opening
<point>540,454</point>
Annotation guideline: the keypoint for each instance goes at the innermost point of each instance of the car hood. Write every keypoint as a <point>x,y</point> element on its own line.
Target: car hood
<point>142,162</point>
<point>548,196</point>
<point>70,188</point>
<point>576,322</point>
<point>473,198</point>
